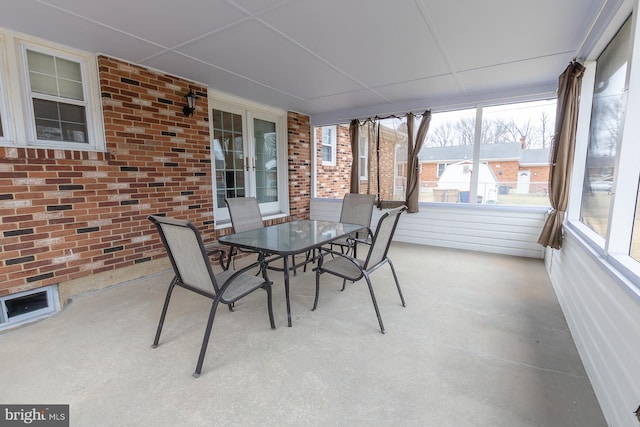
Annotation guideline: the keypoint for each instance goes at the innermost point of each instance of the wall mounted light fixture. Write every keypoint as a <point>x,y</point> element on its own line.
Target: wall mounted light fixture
<point>191,103</point>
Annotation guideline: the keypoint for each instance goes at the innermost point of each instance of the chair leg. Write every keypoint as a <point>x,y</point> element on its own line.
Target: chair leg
<point>207,335</point>
<point>344,284</point>
<point>315,301</point>
<point>267,287</point>
<point>164,311</point>
<point>293,264</point>
<point>393,270</point>
<point>310,257</point>
<point>221,261</point>
<point>375,304</point>
<point>270,306</point>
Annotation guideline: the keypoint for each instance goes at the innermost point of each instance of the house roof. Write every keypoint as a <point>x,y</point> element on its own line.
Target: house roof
<point>488,152</point>
<point>305,56</point>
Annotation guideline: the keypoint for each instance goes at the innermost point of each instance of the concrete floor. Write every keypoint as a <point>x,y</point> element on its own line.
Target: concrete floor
<point>482,342</point>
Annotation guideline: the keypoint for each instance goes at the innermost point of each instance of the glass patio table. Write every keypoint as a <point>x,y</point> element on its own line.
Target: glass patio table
<point>290,238</point>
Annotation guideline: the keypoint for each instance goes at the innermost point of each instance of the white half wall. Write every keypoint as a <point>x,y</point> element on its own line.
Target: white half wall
<point>603,313</point>
<point>497,229</point>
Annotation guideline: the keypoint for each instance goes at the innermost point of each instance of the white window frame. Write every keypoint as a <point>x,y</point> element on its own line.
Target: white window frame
<point>7,134</point>
<point>444,166</point>
<point>364,155</point>
<point>53,306</point>
<point>332,142</point>
<point>250,111</point>
<point>613,249</point>
<point>20,128</point>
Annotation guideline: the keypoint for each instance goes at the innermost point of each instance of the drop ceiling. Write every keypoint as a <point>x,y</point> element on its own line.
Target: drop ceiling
<point>334,59</point>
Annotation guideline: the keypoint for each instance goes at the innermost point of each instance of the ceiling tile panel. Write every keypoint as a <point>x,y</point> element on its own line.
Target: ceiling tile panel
<point>320,57</point>
<point>180,20</point>
<point>481,33</point>
<point>224,81</point>
<point>420,89</point>
<point>52,24</point>
<point>376,42</point>
<point>535,72</point>
<point>258,53</point>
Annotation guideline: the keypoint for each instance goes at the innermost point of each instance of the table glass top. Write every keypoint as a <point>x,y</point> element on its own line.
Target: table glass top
<point>290,237</point>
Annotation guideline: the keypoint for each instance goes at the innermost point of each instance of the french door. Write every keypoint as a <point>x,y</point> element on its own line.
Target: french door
<point>249,158</point>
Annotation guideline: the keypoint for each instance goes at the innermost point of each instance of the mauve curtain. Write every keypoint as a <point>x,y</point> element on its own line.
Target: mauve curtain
<point>414,145</point>
<point>354,186</point>
<point>564,142</point>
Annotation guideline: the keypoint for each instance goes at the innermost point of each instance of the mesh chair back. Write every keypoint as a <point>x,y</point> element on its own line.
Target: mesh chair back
<point>382,238</point>
<point>245,214</point>
<point>357,209</point>
<point>186,251</point>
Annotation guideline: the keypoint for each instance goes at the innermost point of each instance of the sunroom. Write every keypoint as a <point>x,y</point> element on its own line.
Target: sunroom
<point>114,111</point>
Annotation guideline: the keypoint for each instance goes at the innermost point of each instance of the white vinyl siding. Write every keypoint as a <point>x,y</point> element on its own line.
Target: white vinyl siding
<point>502,230</point>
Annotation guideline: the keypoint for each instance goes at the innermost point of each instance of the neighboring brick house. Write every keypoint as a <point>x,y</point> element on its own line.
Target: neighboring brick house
<point>516,169</point>
<point>333,180</point>
<point>78,219</point>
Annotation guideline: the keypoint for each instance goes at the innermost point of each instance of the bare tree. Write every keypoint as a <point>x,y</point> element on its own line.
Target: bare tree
<point>546,129</point>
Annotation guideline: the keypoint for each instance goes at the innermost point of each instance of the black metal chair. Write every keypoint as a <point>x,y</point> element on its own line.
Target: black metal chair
<point>245,215</point>
<point>356,209</point>
<point>354,269</point>
<point>193,271</point>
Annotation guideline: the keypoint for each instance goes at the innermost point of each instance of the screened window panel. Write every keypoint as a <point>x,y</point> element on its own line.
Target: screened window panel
<point>607,114</point>
<point>514,155</point>
<point>634,251</point>
<point>447,157</point>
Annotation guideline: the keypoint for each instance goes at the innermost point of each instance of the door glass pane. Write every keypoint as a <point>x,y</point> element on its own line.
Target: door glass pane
<point>266,161</point>
<point>229,155</point>
<point>608,107</point>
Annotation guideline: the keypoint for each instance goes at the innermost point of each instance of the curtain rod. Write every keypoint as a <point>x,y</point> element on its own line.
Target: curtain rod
<point>395,115</point>
<point>544,94</point>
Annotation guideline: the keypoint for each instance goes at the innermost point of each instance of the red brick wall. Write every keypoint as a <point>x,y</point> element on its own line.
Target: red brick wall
<point>67,214</point>
<point>429,174</point>
<point>506,171</point>
<point>334,181</point>
<point>299,140</point>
